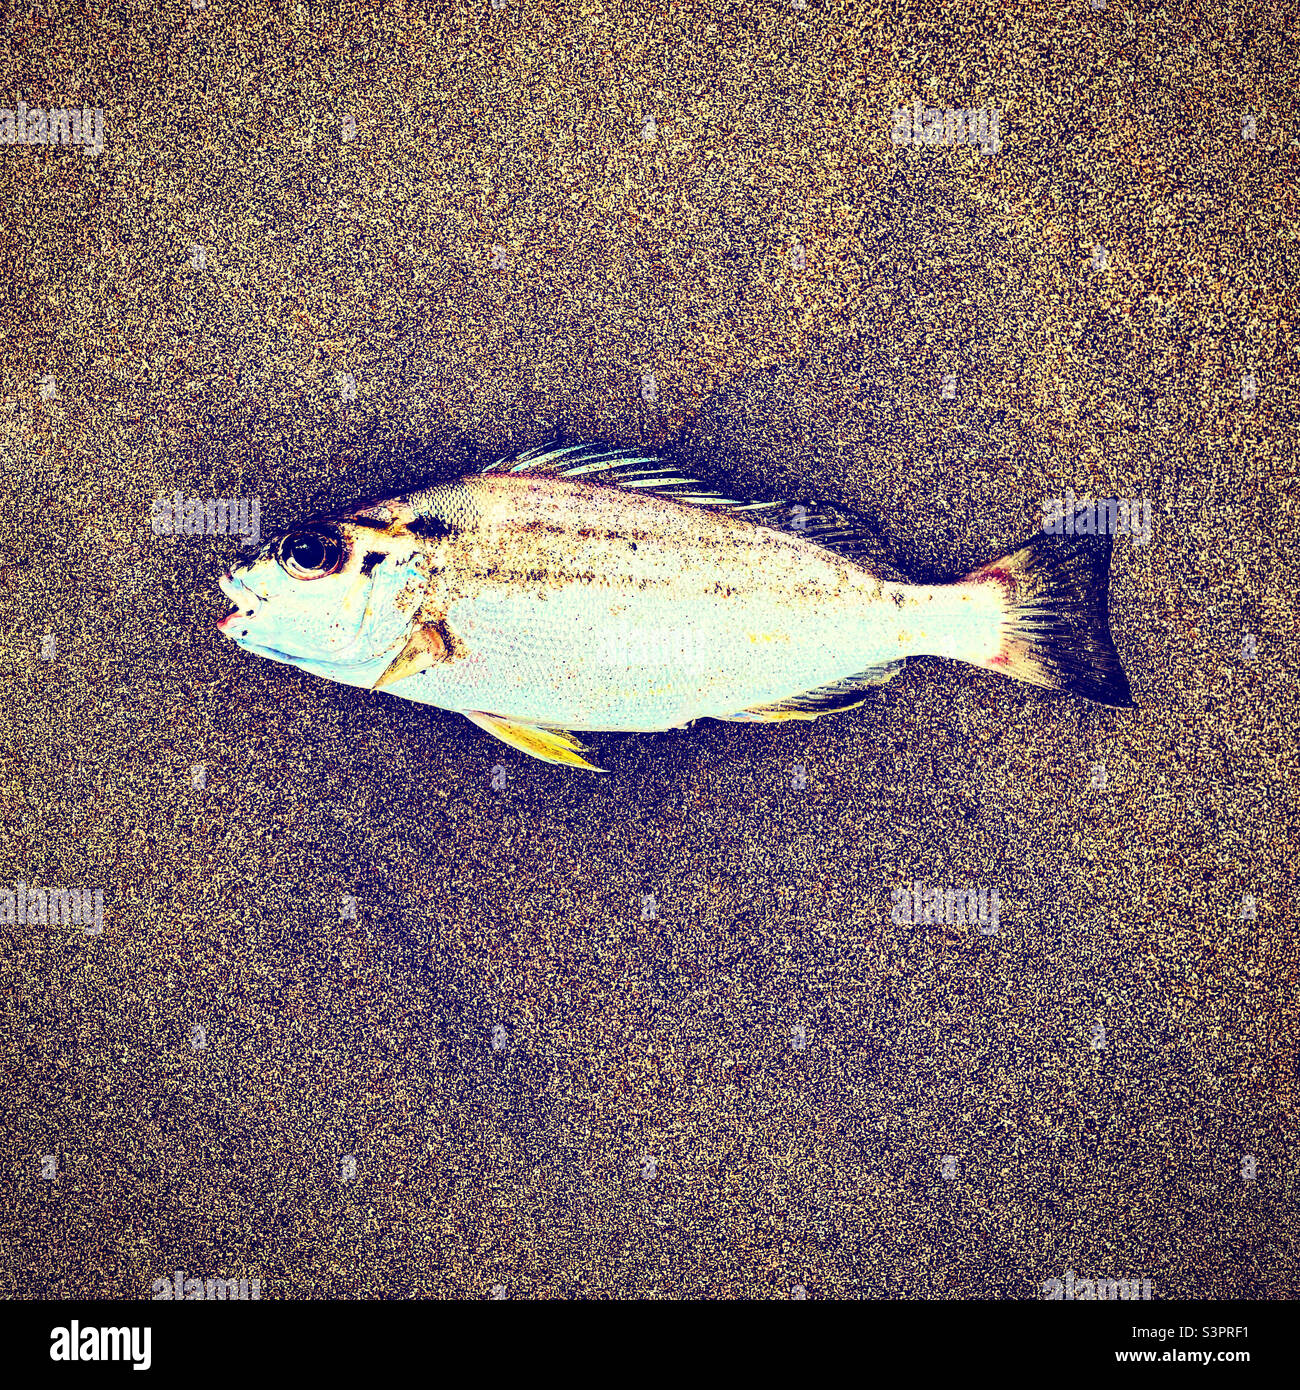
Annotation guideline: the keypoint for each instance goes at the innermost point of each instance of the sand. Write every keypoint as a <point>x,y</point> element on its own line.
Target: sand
<point>554,1050</point>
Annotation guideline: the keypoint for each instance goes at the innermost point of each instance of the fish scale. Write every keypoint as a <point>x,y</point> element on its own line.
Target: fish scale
<point>706,617</point>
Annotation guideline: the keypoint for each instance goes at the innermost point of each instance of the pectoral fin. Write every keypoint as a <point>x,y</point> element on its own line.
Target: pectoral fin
<point>426,647</point>
<point>550,745</point>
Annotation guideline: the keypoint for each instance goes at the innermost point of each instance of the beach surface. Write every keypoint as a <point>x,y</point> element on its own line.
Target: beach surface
<point>382,1009</point>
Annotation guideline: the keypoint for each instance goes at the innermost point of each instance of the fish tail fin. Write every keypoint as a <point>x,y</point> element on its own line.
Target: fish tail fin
<point>1054,625</point>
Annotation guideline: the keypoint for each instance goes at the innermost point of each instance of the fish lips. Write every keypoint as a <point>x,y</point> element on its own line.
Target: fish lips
<point>244,599</point>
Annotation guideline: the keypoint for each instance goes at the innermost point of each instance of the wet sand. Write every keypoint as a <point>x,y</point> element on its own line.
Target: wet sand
<point>279,281</point>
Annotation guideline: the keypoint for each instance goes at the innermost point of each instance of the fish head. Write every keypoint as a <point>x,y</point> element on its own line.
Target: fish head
<point>332,594</point>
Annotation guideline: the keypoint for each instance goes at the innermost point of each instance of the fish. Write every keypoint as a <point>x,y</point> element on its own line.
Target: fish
<point>579,588</point>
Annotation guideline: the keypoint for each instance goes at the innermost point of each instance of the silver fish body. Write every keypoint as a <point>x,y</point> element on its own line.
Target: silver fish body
<point>579,589</point>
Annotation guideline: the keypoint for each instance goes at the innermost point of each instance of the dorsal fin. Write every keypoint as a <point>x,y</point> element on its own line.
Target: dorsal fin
<point>850,536</point>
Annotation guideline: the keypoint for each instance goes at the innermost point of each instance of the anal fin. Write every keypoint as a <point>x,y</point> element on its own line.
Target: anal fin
<point>548,745</point>
<point>834,698</point>
<point>770,714</point>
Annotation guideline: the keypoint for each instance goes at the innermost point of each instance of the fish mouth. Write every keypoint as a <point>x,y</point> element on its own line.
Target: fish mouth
<point>245,605</point>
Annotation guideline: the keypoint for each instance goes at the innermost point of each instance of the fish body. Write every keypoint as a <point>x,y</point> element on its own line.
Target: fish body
<point>581,589</point>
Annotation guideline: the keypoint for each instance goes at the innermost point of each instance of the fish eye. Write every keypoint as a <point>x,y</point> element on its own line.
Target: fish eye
<point>311,554</point>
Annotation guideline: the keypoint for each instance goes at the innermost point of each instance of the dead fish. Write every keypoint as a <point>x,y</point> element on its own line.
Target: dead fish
<point>583,588</point>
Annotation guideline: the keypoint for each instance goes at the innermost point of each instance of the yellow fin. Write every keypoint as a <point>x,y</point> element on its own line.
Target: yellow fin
<point>425,648</point>
<point>550,745</point>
